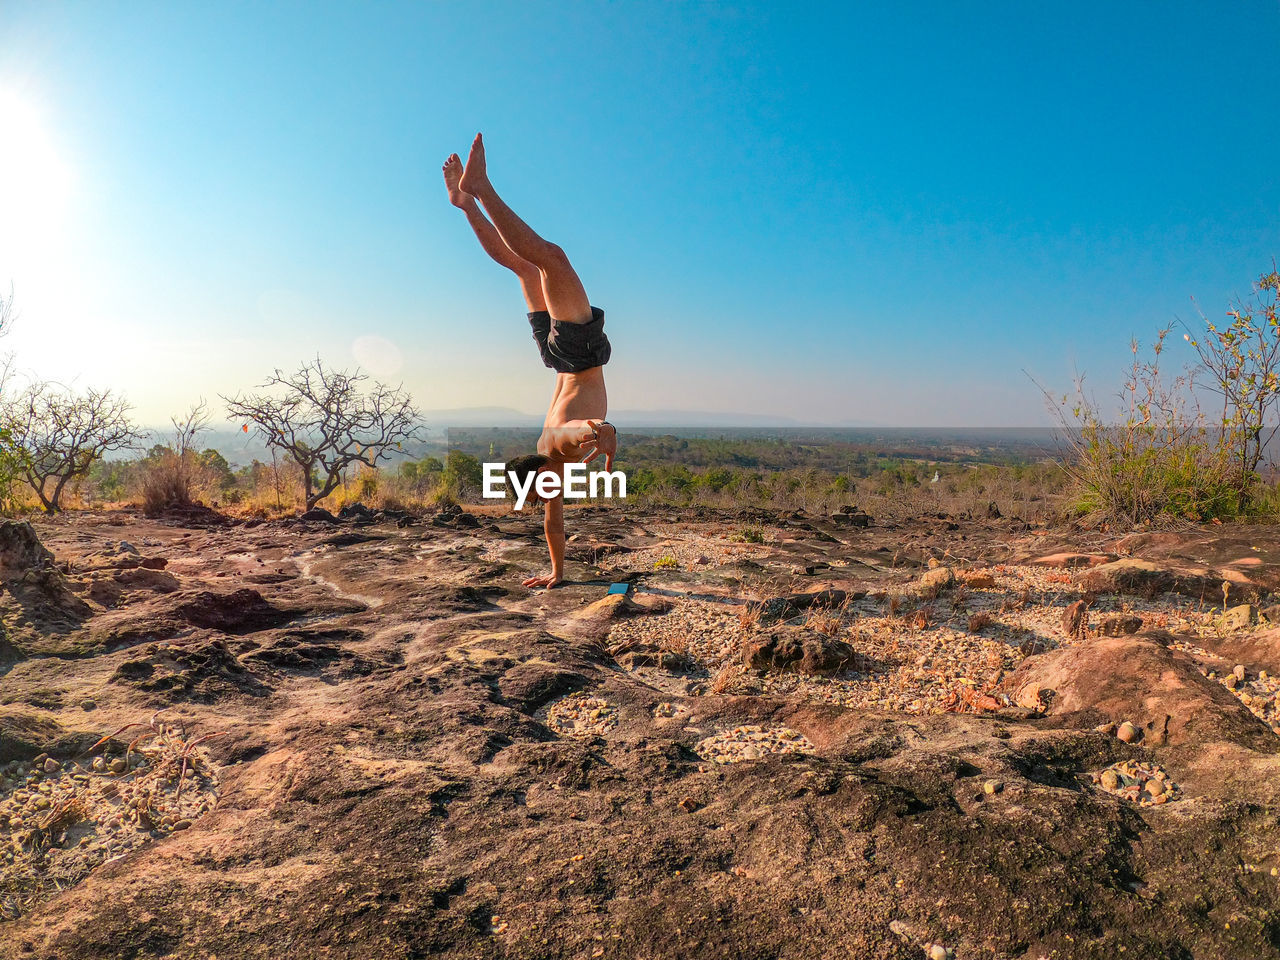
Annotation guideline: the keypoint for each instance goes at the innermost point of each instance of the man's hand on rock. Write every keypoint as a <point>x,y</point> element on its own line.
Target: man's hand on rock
<point>548,581</point>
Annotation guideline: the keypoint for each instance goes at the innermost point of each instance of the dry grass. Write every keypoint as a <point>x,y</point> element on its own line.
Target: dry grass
<point>979,621</point>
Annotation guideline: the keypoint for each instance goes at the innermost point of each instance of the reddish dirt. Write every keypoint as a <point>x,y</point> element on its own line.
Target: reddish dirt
<point>388,785</point>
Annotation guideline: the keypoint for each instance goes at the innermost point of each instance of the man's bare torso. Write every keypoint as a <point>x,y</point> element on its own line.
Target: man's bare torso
<point>577,397</point>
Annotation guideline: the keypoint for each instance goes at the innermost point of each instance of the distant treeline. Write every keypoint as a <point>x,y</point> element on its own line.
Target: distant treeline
<point>661,469</point>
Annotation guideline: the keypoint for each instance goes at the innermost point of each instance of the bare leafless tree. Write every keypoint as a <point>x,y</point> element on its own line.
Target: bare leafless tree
<point>187,430</point>
<point>10,455</point>
<point>8,313</point>
<point>1240,362</point>
<point>61,433</point>
<point>326,421</point>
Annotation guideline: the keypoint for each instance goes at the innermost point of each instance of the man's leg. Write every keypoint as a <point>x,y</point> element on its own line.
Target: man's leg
<point>566,299</point>
<point>530,276</point>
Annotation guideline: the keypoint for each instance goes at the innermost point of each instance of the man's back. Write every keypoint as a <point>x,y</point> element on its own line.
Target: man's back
<point>577,397</point>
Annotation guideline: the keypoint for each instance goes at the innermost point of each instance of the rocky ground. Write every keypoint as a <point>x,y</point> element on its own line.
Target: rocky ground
<point>796,736</point>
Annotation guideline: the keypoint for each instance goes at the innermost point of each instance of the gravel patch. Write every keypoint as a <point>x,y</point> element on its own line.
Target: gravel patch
<point>58,822</point>
<point>1145,784</point>
<point>581,715</point>
<point>917,653</point>
<point>1259,693</point>
<point>751,743</point>
<point>687,551</point>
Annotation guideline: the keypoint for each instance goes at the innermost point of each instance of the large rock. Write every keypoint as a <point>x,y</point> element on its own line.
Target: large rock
<point>851,517</point>
<point>1138,679</point>
<point>390,784</point>
<point>1070,561</point>
<point>777,609</point>
<point>241,611</point>
<point>934,581</point>
<point>30,577</point>
<point>20,550</point>
<point>1146,578</point>
<point>1258,649</point>
<point>791,649</point>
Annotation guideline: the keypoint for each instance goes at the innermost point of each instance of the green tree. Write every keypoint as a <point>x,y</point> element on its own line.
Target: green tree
<point>462,471</point>
<point>217,468</point>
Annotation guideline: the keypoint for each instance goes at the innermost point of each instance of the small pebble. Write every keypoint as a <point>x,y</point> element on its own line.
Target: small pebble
<point>1239,672</point>
<point>992,787</point>
<point>1127,732</point>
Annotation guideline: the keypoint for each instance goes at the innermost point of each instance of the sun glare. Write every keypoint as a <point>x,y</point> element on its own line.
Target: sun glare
<point>35,181</point>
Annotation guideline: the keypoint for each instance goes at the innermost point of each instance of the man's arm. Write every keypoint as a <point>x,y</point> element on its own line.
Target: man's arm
<point>553,527</point>
<point>591,438</point>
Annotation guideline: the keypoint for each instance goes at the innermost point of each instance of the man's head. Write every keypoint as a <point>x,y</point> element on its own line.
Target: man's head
<point>523,467</point>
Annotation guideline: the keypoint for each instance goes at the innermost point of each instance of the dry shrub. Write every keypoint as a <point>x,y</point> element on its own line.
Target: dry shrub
<point>978,621</point>
<point>825,622</point>
<point>169,483</point>
<point>726,677</point>
<point>173,477</point>
<point>1161,458</point>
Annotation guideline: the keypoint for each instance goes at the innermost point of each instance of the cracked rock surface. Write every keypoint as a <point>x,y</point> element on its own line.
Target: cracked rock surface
<point>415,756</point>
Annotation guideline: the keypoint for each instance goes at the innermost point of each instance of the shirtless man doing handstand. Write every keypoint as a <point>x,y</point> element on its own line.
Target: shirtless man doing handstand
<point>569,333</point>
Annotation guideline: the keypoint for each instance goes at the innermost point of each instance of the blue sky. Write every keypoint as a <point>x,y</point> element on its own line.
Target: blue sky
<point>833,213</point>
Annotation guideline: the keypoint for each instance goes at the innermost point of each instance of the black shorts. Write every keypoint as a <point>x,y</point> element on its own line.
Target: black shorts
<point>571,347</point>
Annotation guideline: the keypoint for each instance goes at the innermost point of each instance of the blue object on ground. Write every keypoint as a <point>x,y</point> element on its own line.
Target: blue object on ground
<point>619,587</point>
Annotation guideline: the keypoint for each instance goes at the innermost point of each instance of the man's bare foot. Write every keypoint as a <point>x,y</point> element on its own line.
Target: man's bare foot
<point>452,174</point>
<point>475,178</point>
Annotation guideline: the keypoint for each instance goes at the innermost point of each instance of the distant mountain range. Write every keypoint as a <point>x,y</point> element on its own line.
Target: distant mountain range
<point>507,417</point>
